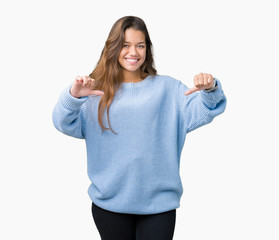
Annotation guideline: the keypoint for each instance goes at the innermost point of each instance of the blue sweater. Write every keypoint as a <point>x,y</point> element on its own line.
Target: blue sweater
<point>137,170</point>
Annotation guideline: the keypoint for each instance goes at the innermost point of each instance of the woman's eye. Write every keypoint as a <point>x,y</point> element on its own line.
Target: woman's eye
<point>125,46</point>
<point>141,46</point>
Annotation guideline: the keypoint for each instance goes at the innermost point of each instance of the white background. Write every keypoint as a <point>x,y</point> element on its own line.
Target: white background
<point>229,168</point>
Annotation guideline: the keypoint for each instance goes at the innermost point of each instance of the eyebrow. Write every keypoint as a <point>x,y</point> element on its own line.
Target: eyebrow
<point>137,43</point>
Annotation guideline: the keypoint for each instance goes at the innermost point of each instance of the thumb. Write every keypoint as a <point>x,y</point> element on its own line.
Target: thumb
<point>97,92</point>
<point>191,90</point>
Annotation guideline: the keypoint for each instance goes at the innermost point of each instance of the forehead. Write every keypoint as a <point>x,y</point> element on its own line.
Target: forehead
<point>134,36</point>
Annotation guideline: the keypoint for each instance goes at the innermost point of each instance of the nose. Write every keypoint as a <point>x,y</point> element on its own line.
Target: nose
<point>133,50</point>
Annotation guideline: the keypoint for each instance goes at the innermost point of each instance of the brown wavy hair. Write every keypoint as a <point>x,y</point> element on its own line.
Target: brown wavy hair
<point>108,73</point>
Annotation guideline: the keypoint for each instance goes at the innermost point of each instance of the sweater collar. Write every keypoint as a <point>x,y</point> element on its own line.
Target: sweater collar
<point>135,85</point>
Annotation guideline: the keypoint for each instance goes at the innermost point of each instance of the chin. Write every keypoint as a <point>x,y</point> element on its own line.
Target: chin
<point>129,69</point>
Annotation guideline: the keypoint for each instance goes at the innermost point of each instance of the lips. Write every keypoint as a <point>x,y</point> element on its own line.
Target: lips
<point>132,60</point>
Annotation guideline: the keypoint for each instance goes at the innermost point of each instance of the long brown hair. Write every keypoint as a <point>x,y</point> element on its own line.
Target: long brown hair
<point>108,71</point>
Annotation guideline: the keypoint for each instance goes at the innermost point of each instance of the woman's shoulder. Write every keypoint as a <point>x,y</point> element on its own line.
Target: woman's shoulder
<point>166,79</point>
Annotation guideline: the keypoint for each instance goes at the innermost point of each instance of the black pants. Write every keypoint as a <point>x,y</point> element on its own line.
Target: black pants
<point>121,226</point>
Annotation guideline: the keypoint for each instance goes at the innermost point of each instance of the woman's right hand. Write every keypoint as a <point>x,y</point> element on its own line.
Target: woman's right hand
<point>83,86</point>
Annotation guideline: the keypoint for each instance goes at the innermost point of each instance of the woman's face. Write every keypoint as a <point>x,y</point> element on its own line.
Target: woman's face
<point>133,52</point>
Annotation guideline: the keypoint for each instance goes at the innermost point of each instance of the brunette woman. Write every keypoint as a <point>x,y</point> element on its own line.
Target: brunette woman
<point>134,122</point>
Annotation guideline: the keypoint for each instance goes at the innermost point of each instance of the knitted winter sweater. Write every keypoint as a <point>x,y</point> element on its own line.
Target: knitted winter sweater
<point>137,170</point>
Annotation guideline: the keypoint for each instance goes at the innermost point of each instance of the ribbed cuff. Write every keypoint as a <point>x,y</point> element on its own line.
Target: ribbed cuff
<point>70,102</point>
<point>213,97</point>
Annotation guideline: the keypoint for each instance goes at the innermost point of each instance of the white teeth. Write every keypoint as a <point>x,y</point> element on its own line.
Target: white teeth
<point>132,60</point>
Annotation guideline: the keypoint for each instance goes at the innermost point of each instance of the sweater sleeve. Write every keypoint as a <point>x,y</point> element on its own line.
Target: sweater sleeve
<point>200,108</point>
<point>69,114</point>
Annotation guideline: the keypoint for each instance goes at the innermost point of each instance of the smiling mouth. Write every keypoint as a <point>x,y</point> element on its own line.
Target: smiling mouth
<point>132,60</point>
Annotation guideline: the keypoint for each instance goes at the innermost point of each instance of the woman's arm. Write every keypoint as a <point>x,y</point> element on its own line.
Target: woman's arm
<point>69,114</point>
<point>199,107</point>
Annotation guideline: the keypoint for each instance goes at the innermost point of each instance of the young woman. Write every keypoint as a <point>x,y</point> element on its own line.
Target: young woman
<point>134,122</point>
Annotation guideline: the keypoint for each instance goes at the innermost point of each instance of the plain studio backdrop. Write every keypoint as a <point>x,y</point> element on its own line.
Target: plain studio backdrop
<point>229,168</point>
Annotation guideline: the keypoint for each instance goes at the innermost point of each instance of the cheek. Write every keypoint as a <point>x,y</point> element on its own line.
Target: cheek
<point>123,52</point>
<point>143,55</point>
<point>121,58</point>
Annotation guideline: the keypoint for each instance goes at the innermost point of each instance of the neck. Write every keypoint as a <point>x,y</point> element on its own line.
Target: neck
<point>131,76</point>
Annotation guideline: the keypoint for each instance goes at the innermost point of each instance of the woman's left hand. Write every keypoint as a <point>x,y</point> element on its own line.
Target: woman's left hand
<point>202,81</point>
